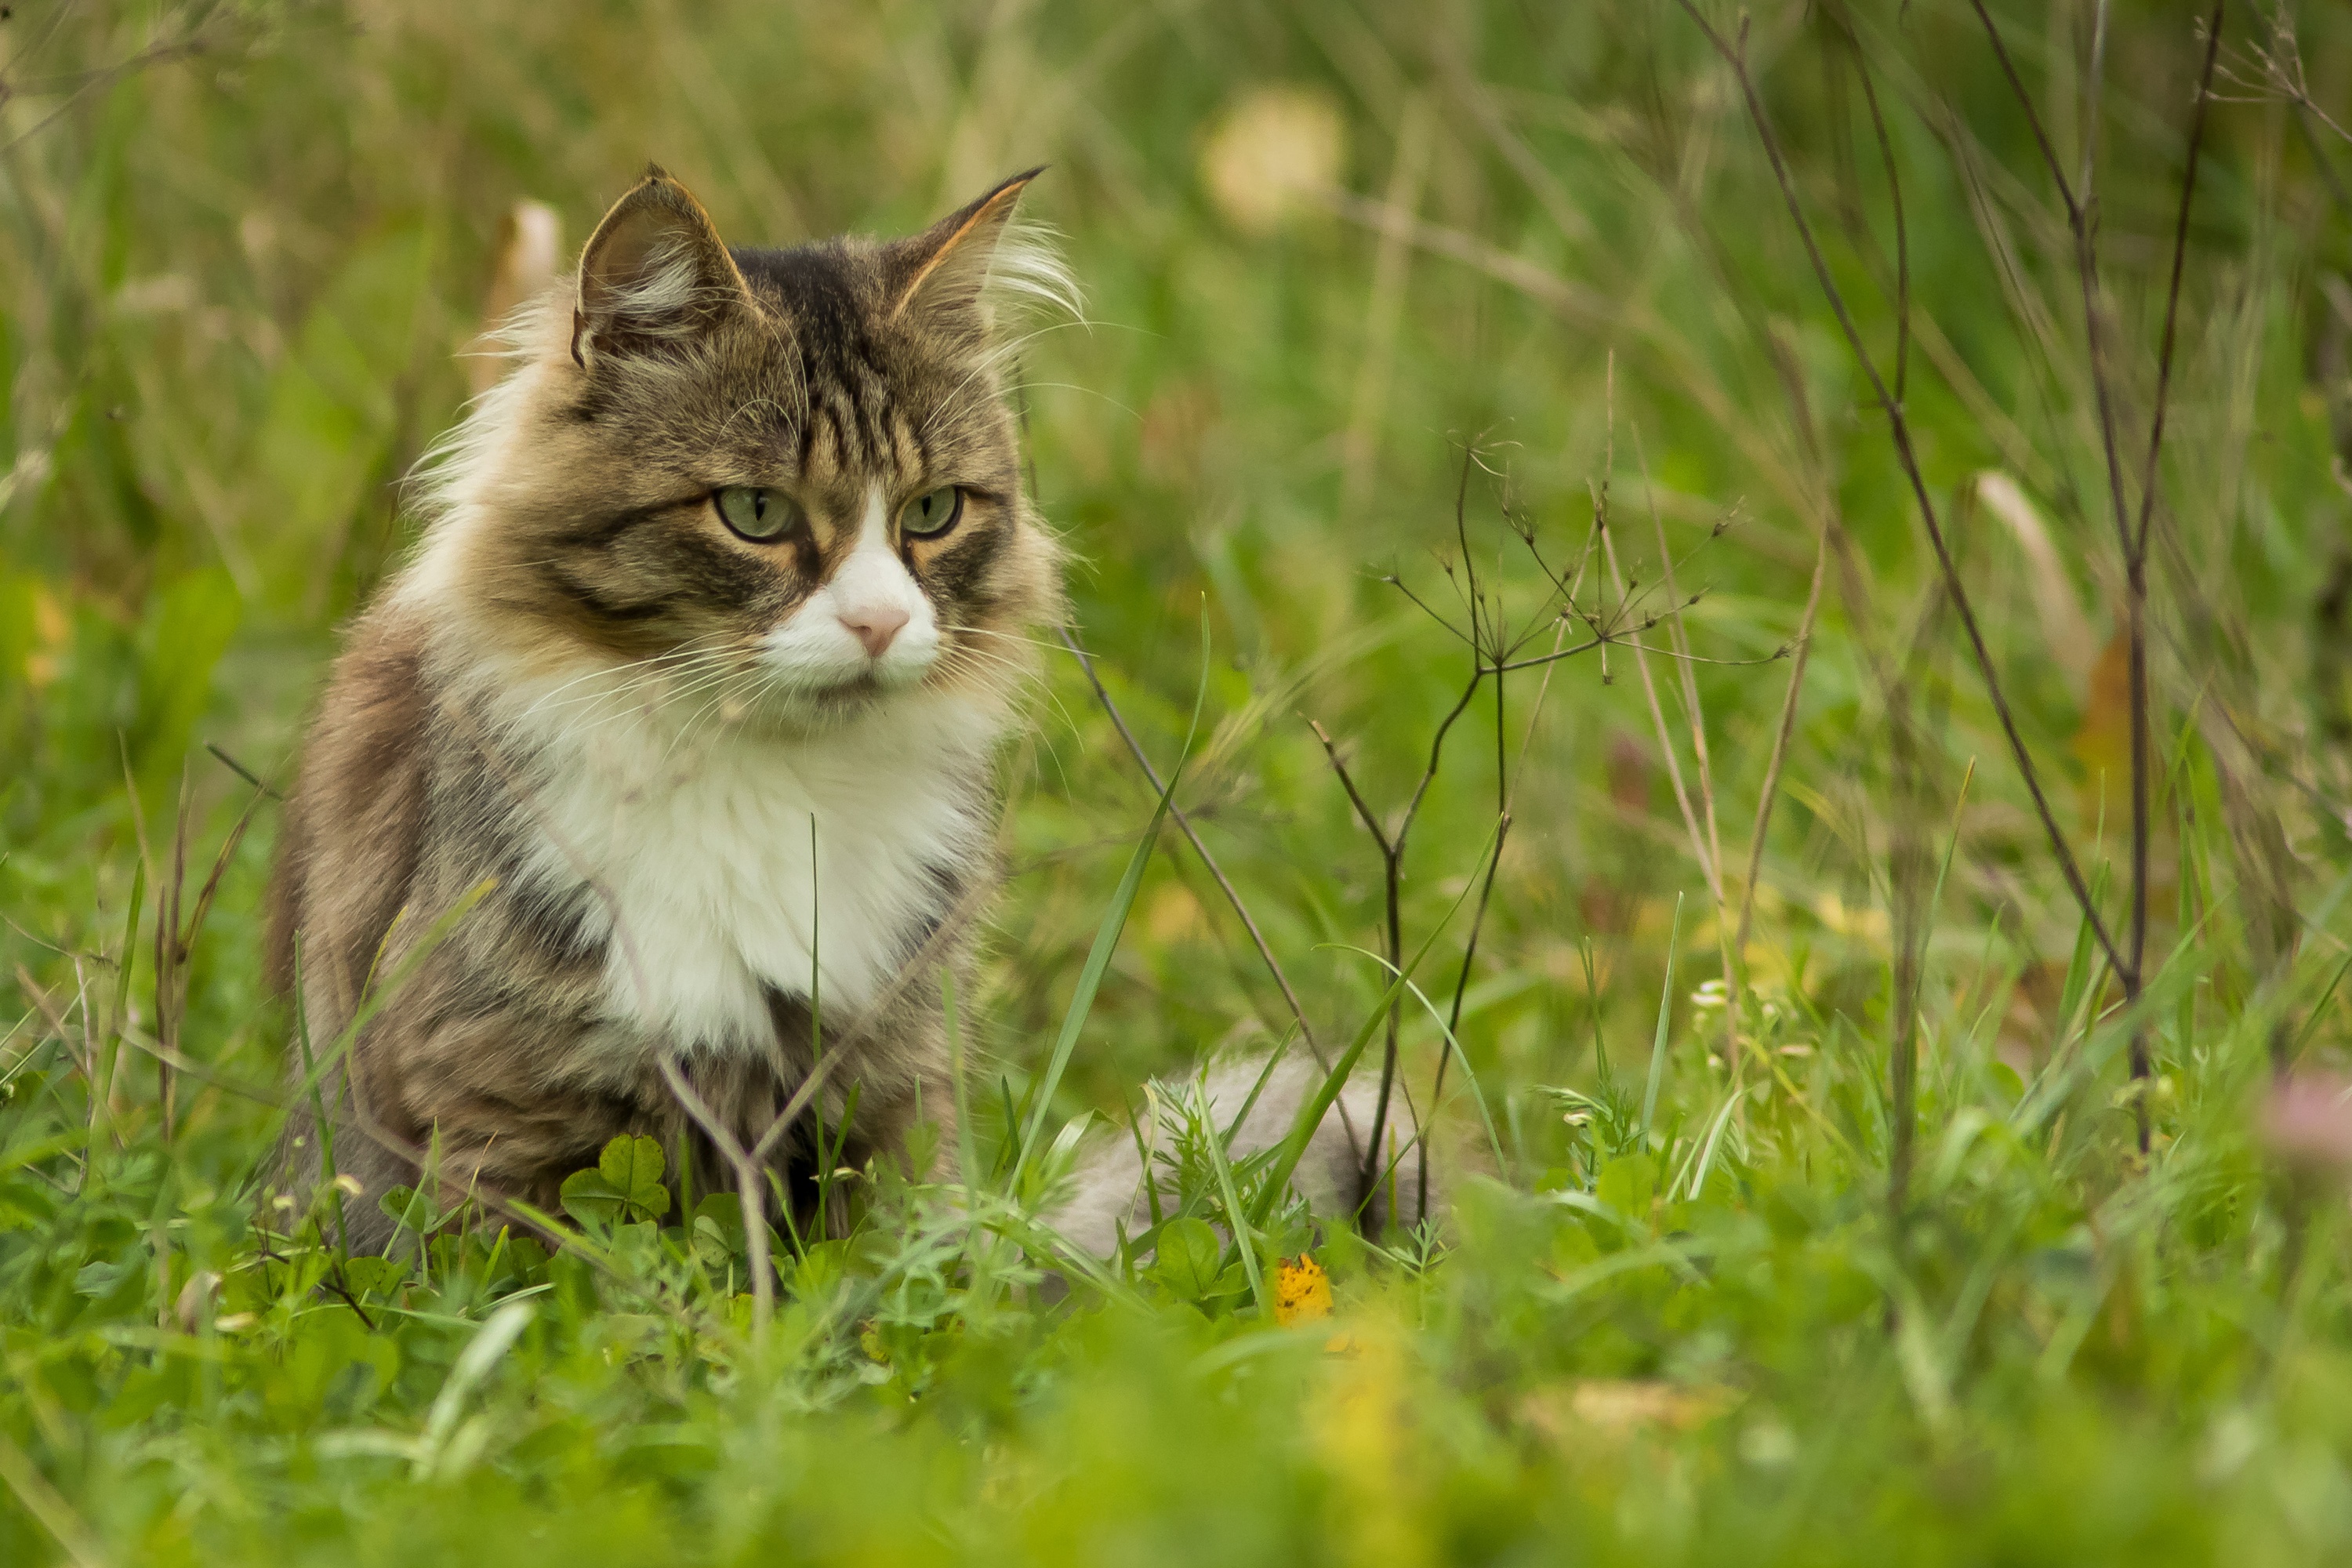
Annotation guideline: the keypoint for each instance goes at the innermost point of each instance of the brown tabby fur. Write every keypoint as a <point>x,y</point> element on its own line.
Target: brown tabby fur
<point>573,537</point>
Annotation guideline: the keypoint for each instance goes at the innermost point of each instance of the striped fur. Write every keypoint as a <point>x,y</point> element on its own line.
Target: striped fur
<point>709,816</point>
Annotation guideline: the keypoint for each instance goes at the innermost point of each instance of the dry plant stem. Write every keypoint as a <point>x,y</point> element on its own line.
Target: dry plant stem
<point>1909,873</point>
<point>1392,850</point>
<point>1506,788</point>
<point>171,966</point>
<point>1504,780</point>
<point>2172,290</point>
<point>1771,792</point>
<point>220,868</point>
<point>1692,711</point>
<point>1908,458</point>
<point>112,1073</point>
<point>2082,218</point>
<point>1665,736</point>
<point>2141,766</point>
<point>1216,872</point>
<point>1895,197</point>
<point>749,1183</point>
<point>1684,664</point>
<point>241,771</point>
<point>1391,842</point>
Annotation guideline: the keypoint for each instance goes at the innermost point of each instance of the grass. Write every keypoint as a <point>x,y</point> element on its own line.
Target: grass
<point>1724,1284</point>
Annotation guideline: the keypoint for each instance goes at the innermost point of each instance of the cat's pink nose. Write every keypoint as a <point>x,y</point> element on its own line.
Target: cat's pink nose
<point>874,628</point>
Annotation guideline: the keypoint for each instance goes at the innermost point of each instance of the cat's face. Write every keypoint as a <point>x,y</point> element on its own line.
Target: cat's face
<point>783,481</point>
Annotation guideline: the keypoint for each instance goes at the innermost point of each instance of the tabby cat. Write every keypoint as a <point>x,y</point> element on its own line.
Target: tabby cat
<point>663,772</point>
<point>693,683</point>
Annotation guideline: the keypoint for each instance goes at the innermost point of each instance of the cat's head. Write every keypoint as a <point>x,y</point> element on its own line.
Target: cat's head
<point>782,481</point>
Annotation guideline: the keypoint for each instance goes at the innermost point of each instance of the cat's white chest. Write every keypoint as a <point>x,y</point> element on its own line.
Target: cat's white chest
<point>721,869</point>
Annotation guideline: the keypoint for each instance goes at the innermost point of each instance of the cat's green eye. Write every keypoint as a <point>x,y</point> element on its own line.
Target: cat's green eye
<point>928,516</point>
<point>753,512</point>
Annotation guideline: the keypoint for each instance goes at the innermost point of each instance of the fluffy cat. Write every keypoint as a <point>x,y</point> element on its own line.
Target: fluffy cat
<point>674,740</point>
<point>697,670</point>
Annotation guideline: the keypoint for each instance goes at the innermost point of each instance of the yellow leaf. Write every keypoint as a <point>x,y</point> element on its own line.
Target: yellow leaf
<point>1302,1291</point>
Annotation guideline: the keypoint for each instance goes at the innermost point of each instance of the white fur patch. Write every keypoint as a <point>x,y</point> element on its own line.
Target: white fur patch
<point>656,299</point>
<point>697,848</point>
<point>815,649</point>
<point>1027,271</point>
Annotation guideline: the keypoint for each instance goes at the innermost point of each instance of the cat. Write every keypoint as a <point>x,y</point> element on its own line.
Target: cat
<point>663,771</point>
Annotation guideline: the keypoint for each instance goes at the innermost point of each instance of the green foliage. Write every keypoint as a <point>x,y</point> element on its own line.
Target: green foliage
<point>240,247</point>
<point>625,1186</point>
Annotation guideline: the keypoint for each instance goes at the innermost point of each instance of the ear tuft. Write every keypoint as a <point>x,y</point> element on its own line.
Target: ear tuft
<point>961,269</point>
<point>655,275</point>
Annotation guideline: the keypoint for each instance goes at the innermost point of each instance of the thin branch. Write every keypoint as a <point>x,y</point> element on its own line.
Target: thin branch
<point>1771,790</point>
<point>1895,197</point>
<point>1355,796</point>
<point>750,1185</point>
<point>241,771</point>
<point>1906,454</point>
<point>2172,291</point>
<point>2132,543</point>
<point>1666,744</point>
<point>1681,635</point>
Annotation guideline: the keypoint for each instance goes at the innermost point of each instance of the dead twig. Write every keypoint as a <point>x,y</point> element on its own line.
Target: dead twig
<point>1906,456</point>
<point>2080,207</point>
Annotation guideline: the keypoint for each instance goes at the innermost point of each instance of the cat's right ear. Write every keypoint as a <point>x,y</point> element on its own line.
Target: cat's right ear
<point>655,275</point>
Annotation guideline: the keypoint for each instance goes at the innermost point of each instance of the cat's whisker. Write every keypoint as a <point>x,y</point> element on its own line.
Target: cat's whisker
<point>688,728</point>
<point>1073,386</point>
<point>627,686</point>
<point>638,697</point>
<point>693,649</point>
<point>1009,636</point>
<point>711,670</point>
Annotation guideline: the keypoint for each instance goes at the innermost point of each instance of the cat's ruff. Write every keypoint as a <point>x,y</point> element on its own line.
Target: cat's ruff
<point>715,862</point>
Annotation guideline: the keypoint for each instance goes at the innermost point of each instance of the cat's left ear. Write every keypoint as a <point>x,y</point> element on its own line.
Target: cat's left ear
<point>943,275</point>
<point>655,274</point>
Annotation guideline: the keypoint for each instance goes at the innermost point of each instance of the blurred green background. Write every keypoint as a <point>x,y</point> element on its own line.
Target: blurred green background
<point>1370,286</point>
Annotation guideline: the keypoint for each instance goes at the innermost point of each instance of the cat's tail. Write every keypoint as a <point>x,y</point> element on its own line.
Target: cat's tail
<point>1110,1192</point>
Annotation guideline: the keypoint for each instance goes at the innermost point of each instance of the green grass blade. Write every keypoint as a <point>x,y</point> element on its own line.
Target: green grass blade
<point>1244,1238</point>
<point>1494,1140</point>
<point>101,1088</point>
<point>1665,1015</point>
<point>1107,934</point>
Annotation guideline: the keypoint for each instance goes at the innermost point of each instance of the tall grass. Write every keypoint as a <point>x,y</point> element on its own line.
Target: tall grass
<point>1798,560</point>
